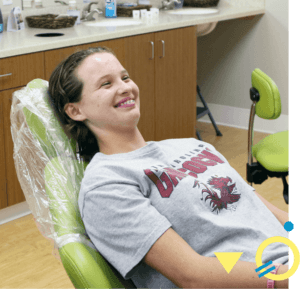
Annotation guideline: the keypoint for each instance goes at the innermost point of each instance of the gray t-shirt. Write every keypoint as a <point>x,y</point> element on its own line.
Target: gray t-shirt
<point>127,201</point>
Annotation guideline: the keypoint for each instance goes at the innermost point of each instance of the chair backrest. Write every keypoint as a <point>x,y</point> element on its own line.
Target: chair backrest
<point>269,104</point>
<point>50,174</point>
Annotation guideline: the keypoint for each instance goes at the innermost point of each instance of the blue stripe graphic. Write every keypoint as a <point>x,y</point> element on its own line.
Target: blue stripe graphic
<point>263,266</point>
<point>266,272</point>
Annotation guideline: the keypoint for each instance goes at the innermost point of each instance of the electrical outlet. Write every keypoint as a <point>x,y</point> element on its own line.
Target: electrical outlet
<point>7,2</point>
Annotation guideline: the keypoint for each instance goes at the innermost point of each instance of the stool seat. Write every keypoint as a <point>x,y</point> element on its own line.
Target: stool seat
<point>272,152</point>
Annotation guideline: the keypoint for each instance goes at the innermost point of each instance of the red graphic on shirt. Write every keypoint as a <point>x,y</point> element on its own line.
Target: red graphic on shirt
<point>166,178</point>
<point>199,164</point>
<point>227,197</point>
<point>166,182</point>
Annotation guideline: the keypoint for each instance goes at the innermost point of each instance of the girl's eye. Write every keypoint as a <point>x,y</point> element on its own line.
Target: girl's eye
<point>125,77</point>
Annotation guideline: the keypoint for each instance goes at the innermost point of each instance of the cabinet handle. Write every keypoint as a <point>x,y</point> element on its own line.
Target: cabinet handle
<point>152,44</point>
<point>5,74</point>
<point>163,50</point>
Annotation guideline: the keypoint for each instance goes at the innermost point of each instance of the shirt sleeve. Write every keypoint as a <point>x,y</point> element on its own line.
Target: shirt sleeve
<point>122,224</point>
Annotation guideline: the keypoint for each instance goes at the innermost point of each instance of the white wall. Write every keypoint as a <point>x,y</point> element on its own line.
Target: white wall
<point>228,55</point>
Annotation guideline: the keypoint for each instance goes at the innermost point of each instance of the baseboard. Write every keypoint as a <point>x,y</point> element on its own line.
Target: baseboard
<point>239,118</point>
<point>14,212</point>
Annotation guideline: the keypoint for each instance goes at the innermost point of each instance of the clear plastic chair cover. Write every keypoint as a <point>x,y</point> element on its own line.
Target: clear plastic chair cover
<point>47,167</point>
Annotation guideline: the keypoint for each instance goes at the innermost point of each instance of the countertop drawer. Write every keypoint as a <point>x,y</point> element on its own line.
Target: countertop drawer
<point>19,70</point>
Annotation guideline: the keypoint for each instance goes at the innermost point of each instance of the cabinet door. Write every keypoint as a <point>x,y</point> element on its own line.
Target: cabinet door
<point>13,188</point>
<point>21,69</point>
<point>140,65</point>
<point>54,57</point>
<point>3,195</point>
<point>175,83</point>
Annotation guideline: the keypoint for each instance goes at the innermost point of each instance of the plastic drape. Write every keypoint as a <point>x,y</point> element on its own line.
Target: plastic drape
<point>47,167</point>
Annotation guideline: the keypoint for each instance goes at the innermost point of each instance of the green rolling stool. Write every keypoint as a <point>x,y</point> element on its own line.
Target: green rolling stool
<point>272,152</point>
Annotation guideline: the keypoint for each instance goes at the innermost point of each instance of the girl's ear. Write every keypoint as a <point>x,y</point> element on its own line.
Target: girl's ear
<point>73,111</point>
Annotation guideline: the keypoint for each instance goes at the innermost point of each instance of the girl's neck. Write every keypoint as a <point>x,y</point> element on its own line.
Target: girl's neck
<point>117,143</point>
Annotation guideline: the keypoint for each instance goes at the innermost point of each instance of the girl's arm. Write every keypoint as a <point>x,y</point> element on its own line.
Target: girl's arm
<point>176,260</point>
<point>282,216</point>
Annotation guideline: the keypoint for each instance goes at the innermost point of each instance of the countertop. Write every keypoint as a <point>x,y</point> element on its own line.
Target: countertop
<point>25,41</point>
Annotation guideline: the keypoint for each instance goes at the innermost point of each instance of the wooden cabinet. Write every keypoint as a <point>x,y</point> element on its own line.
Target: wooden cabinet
<point>14,192</point>
<point>138,62</point>
<point>16,72</point>
<point>167,81</point>
<point>175,83</point>
<point>19,70</point>
<point>3,195</point>
<point>162,64</point>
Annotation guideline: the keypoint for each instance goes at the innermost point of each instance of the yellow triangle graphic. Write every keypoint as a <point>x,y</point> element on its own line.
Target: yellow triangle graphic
<point>228,259</point>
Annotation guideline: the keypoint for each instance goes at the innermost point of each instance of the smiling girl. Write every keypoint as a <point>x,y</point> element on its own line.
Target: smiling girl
<point>158,211</point>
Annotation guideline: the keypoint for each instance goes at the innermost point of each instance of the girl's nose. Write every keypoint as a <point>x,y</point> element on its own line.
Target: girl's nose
<point>124,87</point>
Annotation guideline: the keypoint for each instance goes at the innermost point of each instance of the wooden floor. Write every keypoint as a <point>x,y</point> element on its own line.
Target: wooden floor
<point>26,259</point>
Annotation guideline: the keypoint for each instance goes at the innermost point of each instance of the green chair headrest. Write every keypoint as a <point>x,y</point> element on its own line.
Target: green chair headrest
<point>269,104</point>
<point>35,120</point>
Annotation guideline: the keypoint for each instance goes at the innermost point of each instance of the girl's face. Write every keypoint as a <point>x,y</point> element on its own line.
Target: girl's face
<point>106,85</point>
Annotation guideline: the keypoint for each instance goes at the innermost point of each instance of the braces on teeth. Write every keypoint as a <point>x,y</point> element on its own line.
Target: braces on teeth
<point>127,102</point>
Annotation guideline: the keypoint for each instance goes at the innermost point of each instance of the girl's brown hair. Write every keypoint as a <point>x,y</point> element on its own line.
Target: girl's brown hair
<point>65,87</point>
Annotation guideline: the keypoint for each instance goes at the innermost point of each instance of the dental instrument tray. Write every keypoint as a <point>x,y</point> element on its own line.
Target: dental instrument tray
<point>127,11</point>
<point>50,21</point>
<point>200,3</point>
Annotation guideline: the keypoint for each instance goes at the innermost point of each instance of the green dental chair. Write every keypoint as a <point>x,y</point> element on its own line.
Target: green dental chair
<point>50,174</point>
<point>271,153</point>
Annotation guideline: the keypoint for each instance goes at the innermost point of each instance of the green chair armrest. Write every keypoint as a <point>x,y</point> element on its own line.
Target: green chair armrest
<point>86,267</point>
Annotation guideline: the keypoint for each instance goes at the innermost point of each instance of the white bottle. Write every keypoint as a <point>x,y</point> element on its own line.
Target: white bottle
<point>72,5</point>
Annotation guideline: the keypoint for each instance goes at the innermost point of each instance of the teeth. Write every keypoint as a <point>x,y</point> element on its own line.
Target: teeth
<point>127,102</point>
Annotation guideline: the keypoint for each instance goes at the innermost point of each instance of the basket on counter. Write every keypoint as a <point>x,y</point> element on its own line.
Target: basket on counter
<point>48,21</point>
<point>127,11</point>
<point>200,3</point>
